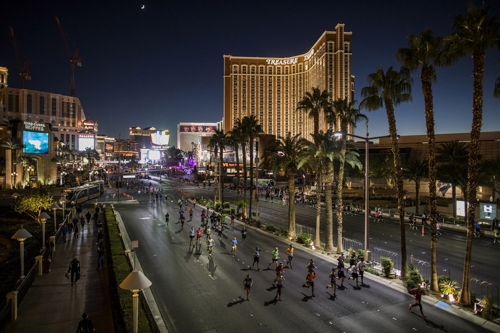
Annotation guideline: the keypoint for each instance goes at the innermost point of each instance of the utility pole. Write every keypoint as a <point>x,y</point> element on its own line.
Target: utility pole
<point>119,170</point>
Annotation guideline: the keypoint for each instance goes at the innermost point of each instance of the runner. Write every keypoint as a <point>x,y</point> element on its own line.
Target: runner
<point>247,284</point>
<point>210,245</point>
<point>289,252</point>
<point>191,236</point>
<point>361,269</point>
<point>234,242</point>
<point>354,274</point>
<point>340,274</point>
<point>332,284</point>
<point>191,214</point>
<point>232,222</point>
<point>417,292</point>
<point>279,284</point>
<point>311,265</point>
<point>219,231</point>
<point>352,260</point>
<point>280,270</point>
<point>182,222</point>
<point>274,256</point>
<point>243,234</point>
<point>411,220</point>
<point>256,257</point>
<point>310,281</point>
<point>209,232</point>
<point>199,233</point>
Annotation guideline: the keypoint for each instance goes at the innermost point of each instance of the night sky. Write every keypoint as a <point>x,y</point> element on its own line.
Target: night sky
<point>162,65</point>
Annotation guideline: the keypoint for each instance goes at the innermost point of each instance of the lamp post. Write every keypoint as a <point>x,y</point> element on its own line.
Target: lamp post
<point>135,282</point>
<point>21,236</point>
<point>13,176</point>
<point>55,207</point>
<point>43,219</point>
<point>367,179</point>
<point>63,201</point>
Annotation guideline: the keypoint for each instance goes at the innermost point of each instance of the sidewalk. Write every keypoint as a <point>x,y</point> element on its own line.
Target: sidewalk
<point>53,305</point>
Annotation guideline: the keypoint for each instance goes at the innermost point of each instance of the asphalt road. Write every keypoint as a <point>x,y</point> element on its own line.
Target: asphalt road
<point>198,294</point>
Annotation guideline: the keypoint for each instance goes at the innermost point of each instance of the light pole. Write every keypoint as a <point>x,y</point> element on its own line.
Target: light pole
<point>135,282</point>
<point>43,219</point>
<point>13,176</point>
<point>21,236</point>
<point>55,207</point>
<point>63,201</point>
<point>367,180</point>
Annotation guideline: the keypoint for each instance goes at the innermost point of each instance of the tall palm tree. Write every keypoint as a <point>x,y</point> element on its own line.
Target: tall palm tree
<point>473,34</point>
<point>218,141</point>
<point>348,116</point>
<point>287,154</point>
<point>92,155</point>
<point>12,145</point>
<point>389,89</point>
<point>251,127</point>
<point>424,52</point>
<point>234,138</point>
<point>243,139</point>
<point>416,171</point>
<point>315,104</point>
<point>449,157</point>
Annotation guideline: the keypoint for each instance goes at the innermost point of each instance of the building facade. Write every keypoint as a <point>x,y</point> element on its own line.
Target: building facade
<point>270,88</point>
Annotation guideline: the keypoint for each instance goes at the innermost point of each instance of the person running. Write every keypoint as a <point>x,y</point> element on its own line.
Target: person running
<point>340,274</point>
<point>495,233</point>
<point>280,270</point>
<point>354,274</point>
<point>417,292</point>
<point>289,252</point>
<point>352,260</point>
<point>209,232</point>
<point>256,257</point>
<point>247,284</point>
<point>182,221</point>
<point>332,284</point>
<point>311,265</point>
<point>191,237</point>
<point>199,234</point>
<point>191,214</point>
<point>411,221</point>
<point>275,254</point>
<point>243,234</point>
<point>477,232</point>
<point>278,280</point>
<point>310,281</point>
<point>234,242</point>
<point>361,269</point>
<point>219,231</point>
<point>88,216</point>
<point>167,217</point>
<point>210,245</point>
<point>231,223</point>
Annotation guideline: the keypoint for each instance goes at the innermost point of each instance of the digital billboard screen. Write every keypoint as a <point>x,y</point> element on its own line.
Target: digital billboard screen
<point>154,155</point>
<point>84,143</point>
<point>35,142</point>
<point>487,211</point>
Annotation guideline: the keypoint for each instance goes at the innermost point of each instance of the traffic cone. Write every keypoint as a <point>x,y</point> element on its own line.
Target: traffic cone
<point>423,230</point>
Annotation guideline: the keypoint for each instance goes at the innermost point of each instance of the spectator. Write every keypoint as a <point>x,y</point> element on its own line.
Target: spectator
<point>85,325</point>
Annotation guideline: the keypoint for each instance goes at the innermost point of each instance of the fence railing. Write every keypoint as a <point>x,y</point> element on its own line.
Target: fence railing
<point>348,243</point>
<point>379,253</point>
<point>482,288</point>
<point>302,229</point>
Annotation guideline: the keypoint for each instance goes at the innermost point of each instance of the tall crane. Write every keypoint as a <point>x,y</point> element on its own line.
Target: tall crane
<point>73,59</point>
<point>24,71</point>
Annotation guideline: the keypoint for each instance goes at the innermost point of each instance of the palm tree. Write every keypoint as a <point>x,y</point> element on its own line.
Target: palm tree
<point>286,154</point>
<point>348,117</point>
<point>234,139</point>
<point>416,171</point>
<point>12,145</point>
<point>25,161</point>
<point>218,141</point>
<point>473,34</point>
<point>92,155</point>
<point>314,104</point>
<point>424,52</point>
<point>243,142</point>
<point>389,89</point>
<point>251,127</point>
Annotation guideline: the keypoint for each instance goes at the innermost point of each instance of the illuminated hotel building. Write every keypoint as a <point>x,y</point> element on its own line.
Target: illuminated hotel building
<point>270,88</point>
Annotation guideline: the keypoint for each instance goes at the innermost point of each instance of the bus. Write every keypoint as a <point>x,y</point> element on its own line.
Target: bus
<point>79,194</point>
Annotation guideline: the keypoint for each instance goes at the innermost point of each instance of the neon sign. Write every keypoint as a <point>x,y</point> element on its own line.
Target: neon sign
<point>275,62</point>
<point>309,55</point>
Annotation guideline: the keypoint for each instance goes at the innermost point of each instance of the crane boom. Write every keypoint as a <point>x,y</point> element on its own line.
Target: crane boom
<point>73,59</point>
<point>24,71</point>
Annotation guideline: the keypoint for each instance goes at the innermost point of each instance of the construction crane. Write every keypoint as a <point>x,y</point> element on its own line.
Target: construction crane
<point>73,59</point>
<point>25,73</point>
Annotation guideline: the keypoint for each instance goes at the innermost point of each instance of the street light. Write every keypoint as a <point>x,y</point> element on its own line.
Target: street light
<point>135,282</point>
<point>43,219</point>
<point>13,176</point>
<point>55,207</point>
<point>367,178</point>
<point>21,236</point>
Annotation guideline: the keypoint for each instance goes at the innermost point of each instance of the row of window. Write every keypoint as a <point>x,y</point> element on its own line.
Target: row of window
<point>68,109</point>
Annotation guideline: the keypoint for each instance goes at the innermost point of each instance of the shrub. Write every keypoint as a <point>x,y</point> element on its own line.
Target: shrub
<point>258,224</point>
<point>226,205</point>
<point>218,206</point>
<point>361,255</point>
<point>282,232</point>
<point>304,239</point>
<point>232,211</point>
<point>448,287</point>
<point>413,277</point>
<point>387,266</point>
<point>487,304</point>
<point>442,279</point>
<point>371,270</point>
<point>350,251</point>
<point>271,228</point>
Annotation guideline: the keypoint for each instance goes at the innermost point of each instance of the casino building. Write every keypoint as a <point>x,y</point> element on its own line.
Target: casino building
<point>269,88</point>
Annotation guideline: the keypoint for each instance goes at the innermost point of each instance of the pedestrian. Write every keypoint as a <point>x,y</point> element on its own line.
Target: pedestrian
<point>354,274</point>
<point>100,238</point>
<point>332,284</point>
<point>352,260</point>
<point>411,220</point>
<point>100,257</point>
<point>74,269</point>
<point>243,234</point>
<point>278,280</point>
<point>50,245</point>
<point>64,231</point>
<point>85,325</point>
<point>275,254</point>
<point>361,270</point>
<point>88,216</point>
<point>311,265</point>
<point>495,239</point>
<point>247,284</point>
<point>256,257</point>
<point>280,269</point>
<point>340,273</point>
<point>310,281</point>
<point>289,252</point>
<point>417,292</point>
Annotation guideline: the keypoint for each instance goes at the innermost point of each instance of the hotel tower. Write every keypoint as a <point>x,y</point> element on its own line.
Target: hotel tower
<point>270,88</point>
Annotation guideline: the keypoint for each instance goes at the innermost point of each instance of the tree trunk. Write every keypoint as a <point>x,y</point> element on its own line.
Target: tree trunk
<point>237,172</point>
<point>319,186</point>
<point>245,178</point>
<point>477,116</point>
<point>251,177</point>
<point>328,207</point>
<point>9,179</point>
<point>339,201</point>
<point>399,181</point>
<point>291,207</point>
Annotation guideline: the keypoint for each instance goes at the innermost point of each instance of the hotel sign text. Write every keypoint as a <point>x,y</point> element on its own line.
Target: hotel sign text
<point>290,61</point>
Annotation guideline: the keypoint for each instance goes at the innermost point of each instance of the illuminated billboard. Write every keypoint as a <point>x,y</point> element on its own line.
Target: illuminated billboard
<point>154,155</point>
<point>85,142</point>
<point>487,211</point>
<point>35,142</point>
<point>160,138</point>
<point>109,147</point>
<point>198,129</point>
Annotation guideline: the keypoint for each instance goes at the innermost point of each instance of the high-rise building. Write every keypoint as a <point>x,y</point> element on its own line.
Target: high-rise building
<point>269,88</point>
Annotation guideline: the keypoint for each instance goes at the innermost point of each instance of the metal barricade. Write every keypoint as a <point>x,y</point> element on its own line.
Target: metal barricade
<point>302,229</point>
<point>348,243</point>
<point>379,253</point>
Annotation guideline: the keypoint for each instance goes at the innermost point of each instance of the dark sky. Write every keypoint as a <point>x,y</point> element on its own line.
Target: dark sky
<point>162,65</point>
